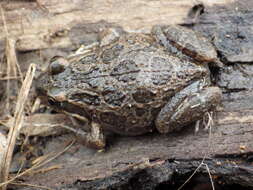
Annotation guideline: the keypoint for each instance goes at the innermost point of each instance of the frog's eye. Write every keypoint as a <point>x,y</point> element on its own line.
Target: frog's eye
<point>53,102</point>
<point>57,65</point>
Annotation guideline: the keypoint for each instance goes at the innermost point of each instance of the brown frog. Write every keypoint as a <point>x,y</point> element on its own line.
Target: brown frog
<point>132,83</point>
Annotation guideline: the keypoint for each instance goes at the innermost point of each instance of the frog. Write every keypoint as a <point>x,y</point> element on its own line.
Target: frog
<point>131,83</point>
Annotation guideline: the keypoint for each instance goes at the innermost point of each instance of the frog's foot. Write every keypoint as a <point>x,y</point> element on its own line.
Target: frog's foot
<point>157,31</point>
<point>206,122</point>
<point>94,139</point>
<point>184,109</point>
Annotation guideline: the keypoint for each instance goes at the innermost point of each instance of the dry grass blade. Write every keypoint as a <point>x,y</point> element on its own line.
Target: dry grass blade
<point>44,170</point>
<point>4,20</point>
<point>38,165</point>
<point>207,125</point>
<point>17,123</point>
<point>31,185</point>
<point>12,58</point>
<point>13,67</point>
<point>210,176</point>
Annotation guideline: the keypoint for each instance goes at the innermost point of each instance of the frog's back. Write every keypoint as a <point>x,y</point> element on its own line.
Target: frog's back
<point>126,83</point>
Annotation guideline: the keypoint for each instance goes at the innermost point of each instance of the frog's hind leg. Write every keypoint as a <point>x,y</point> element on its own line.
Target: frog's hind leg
<point>160,37</point>
<point>186,107</point>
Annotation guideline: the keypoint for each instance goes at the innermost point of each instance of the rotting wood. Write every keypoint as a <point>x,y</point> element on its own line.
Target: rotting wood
<point>152,159</point>
<point>38,29</point>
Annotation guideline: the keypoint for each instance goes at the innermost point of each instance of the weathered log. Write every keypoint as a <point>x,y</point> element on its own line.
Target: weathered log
<point>150,161</point>
<point>64,23</point>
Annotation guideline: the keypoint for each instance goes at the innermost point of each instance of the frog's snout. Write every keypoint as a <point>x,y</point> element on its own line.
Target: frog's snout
<point>41,84</point>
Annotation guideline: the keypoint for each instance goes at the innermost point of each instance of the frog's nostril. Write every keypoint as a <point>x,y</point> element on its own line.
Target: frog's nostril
<point>41,85</point>
<point>39,90</point>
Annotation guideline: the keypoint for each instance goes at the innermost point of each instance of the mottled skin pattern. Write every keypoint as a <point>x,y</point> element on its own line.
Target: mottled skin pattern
<point>129,84</point>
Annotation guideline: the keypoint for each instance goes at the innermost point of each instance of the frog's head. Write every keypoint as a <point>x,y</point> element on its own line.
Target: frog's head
<point>47,83</point>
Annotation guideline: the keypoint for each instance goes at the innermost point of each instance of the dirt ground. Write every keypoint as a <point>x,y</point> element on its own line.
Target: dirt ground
<point>35,31</point>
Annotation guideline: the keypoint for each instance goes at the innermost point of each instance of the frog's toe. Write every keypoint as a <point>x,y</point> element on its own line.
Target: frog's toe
<point>190,109</point>
<point>94,139</point>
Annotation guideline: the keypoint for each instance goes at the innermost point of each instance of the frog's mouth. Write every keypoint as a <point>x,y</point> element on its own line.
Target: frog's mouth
<point>66,107</point>
<point>42,84</point>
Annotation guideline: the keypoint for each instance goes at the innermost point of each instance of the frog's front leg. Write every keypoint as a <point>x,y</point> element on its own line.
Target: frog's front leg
<point>187,106</point>
<point>94,139</point>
